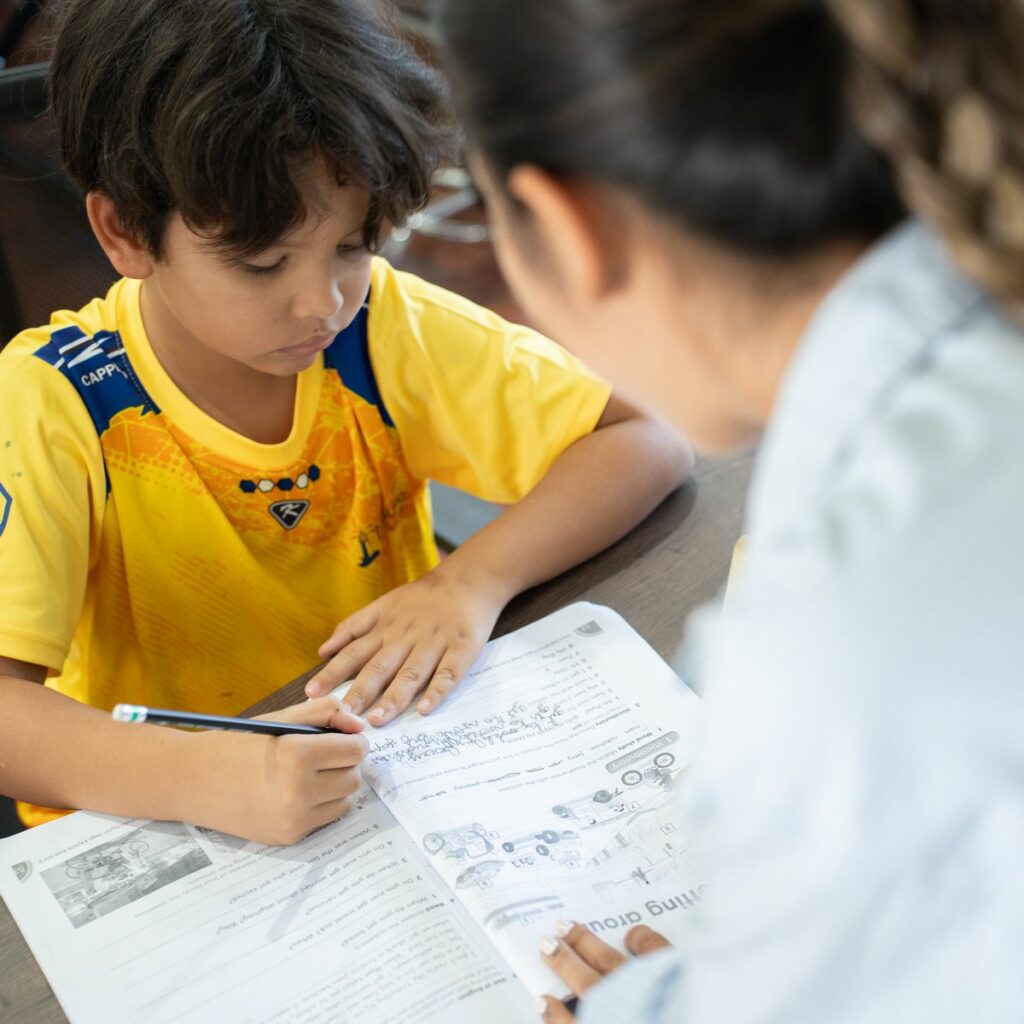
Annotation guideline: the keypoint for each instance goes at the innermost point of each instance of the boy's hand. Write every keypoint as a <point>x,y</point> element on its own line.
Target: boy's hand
<point>421,636</point>
<point>277,789</point>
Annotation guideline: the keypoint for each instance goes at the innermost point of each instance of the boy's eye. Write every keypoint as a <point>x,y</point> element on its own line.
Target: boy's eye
<point>255,268</point>
<point>351,248</point>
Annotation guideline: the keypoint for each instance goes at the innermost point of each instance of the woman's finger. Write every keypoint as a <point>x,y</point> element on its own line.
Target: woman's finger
<point>553,1010</point>
<point>598,954</point>
<point>343,666</point>
<point>568,965</point>
<point>412,677</point>
<point>641,940</point>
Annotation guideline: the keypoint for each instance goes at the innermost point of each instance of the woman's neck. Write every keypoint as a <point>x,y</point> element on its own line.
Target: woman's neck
<point>746,319</point>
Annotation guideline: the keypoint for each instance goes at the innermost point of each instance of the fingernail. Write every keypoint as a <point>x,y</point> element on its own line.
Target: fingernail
<point>541,1005</point>
<point>424,705</point>
<point>313,689</point>
<point>548,946</point>
<point>562,928</point>
<point>377,714</point>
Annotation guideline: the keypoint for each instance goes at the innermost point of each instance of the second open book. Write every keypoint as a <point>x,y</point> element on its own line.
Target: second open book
<point>542,790</point>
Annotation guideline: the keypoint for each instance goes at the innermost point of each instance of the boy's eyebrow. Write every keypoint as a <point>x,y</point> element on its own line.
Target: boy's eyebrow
<point>217,246</point>
<point>285,244</point>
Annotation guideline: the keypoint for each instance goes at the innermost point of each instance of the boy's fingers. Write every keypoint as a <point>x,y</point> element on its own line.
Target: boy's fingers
<point>375,674</point>
<point>350,629</point>
<point>602,957</point>
<point>453,666</point>
<point>339,638</point>
<point>341,751</point>
<point>343,666</point>
<point>324,814</point>
<point>568,965</point>
<point>335,784</point>
<point>324,712</point>
<point>412,677</point>
<point>344,720</point>
<point>553,1010</point>
<point>641,939</point>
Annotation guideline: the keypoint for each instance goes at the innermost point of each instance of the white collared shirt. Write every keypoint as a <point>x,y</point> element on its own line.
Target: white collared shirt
<point>859,805</point>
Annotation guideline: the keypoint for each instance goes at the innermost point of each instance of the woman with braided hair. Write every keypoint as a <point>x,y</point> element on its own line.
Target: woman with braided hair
<point>804,222</point>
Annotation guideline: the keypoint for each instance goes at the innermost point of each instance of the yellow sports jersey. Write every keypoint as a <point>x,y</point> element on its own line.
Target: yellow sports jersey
<point>149,554</point>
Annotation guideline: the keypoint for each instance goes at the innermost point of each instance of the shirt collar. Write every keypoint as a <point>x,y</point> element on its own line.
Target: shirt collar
<point>875,326</point>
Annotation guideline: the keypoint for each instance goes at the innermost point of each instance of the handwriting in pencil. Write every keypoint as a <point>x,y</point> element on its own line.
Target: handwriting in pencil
<point>517,723</point>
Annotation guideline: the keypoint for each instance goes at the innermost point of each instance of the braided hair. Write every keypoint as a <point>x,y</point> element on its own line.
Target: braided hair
<point>939,87</point>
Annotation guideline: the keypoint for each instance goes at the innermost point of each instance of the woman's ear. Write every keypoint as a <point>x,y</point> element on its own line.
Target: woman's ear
<point>575,226</point>
<point>128,254</point>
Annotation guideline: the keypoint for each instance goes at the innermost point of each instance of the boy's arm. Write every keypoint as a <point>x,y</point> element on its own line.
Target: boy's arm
<point>426,634</point>
<point>60,753</point>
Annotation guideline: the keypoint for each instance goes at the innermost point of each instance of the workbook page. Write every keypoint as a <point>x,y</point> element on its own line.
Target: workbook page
<point>544,787</point>
<point>159,922</point>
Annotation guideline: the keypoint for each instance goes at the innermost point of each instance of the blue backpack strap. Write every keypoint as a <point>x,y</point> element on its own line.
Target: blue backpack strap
<point>349,356</point>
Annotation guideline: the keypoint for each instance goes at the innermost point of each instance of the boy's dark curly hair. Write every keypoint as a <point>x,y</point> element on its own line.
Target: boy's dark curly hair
<point>212,107</point>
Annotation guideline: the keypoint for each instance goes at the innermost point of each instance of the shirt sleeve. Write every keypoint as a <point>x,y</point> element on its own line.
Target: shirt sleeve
<point>52,491</point>
<point>479,404</point>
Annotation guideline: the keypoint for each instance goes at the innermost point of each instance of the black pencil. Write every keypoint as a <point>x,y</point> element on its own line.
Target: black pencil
<point>160,716</point>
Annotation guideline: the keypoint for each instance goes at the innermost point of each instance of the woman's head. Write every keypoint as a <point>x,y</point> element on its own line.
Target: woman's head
<point>711,149</point>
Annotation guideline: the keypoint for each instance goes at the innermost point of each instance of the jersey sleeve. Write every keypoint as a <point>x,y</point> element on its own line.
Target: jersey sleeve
<point>52,493</point>
<point>479,404</point>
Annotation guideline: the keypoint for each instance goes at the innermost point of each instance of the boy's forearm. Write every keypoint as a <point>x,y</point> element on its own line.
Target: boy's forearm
<point>594,494</point>
<point>57,752</point>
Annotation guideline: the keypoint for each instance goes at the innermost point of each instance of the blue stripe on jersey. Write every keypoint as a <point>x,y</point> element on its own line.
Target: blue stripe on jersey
<point>6,501</point>
<point>98,367</point>
<point>349,356</point>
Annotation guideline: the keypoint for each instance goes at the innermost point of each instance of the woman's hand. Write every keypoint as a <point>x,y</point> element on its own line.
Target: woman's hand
<point>581,959</point>
<point>421,636</point>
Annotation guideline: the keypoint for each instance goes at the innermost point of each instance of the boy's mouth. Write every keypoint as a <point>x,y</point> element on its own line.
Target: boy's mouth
<point>312,345</point>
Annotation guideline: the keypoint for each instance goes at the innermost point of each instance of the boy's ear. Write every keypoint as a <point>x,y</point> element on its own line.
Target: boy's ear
<point>127,253</point>
<point>577,228</point>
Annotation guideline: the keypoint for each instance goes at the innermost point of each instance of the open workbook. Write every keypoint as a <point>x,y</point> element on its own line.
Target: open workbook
<point>542,790</point>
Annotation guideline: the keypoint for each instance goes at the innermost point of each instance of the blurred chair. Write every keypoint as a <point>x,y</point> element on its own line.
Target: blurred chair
<point>48,257</point>
<point>16,27</point>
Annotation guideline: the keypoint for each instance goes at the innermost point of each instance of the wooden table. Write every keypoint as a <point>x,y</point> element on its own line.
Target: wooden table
<point>674,561</point>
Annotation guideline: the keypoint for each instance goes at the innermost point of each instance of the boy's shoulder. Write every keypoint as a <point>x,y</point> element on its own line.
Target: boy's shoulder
<point>96,318</point>
<point>399,299</point>
<point>81,348</point>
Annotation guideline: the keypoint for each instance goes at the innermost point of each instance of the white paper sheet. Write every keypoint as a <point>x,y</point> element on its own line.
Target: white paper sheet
<point>159,922</point>
<point>544,789</point>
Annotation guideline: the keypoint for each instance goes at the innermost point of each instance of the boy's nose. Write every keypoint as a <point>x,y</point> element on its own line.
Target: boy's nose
<point>319,302</point>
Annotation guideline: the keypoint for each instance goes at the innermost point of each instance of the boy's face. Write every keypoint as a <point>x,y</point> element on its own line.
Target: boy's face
<point>274,312</point>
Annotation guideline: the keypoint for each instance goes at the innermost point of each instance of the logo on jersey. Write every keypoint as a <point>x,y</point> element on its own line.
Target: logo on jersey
<point>289,513</point>
<point>369,557</point>
<point>6,501</point>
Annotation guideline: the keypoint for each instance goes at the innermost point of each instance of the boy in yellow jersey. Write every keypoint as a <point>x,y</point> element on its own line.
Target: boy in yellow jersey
<point>223,463</point>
